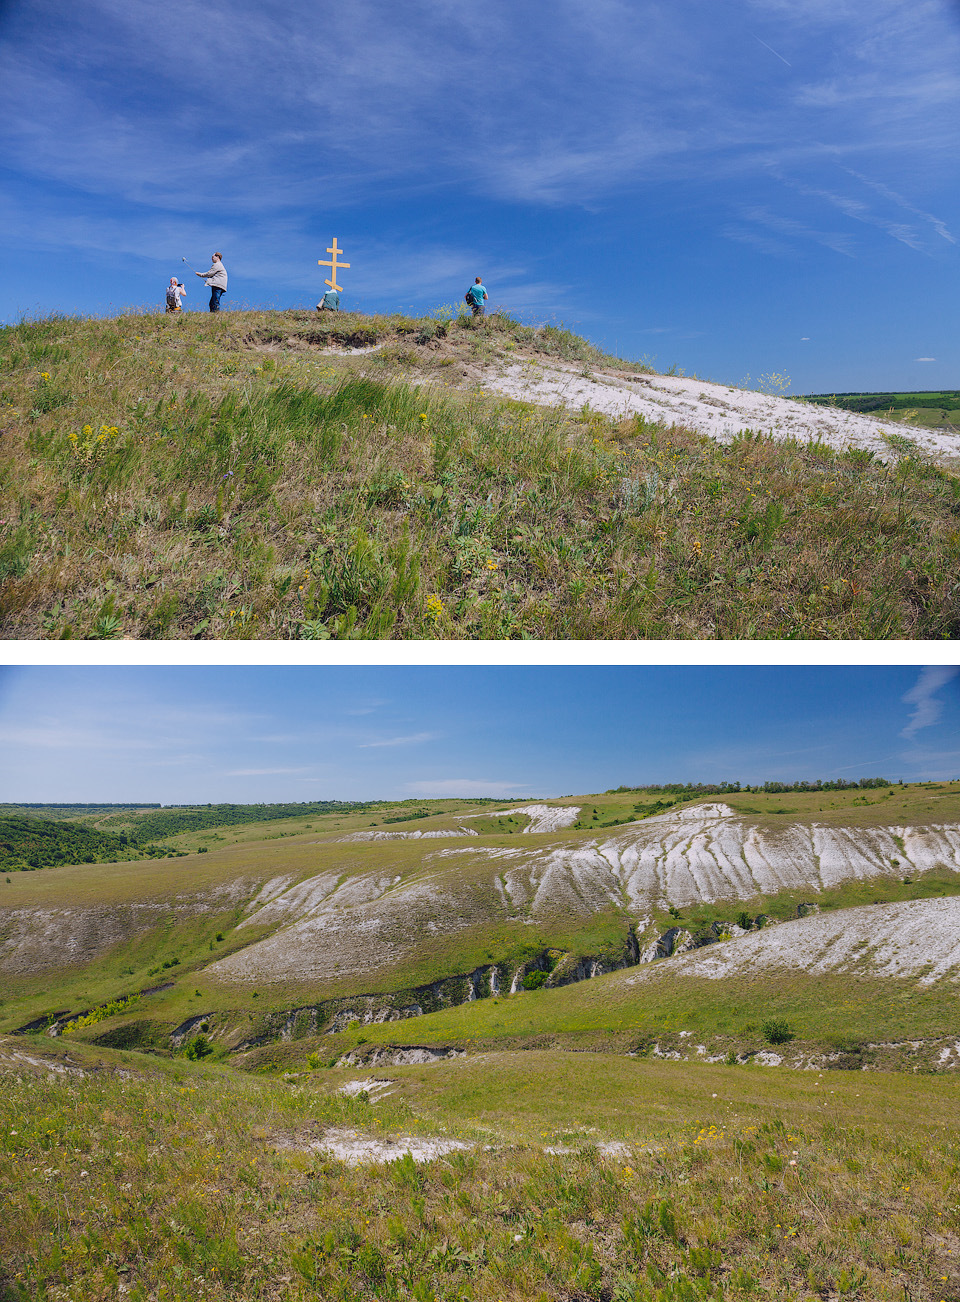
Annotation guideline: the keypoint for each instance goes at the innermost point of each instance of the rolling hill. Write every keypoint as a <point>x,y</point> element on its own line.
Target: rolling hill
<point>289,1064</point>
<point>273,475</point>
<point>395,923</point>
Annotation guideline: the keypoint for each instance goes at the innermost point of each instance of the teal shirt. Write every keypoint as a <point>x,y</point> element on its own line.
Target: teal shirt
<point>477,293</point>
<point>331,299</point>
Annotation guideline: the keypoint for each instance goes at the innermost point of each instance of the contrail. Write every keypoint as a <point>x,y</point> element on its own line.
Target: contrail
<point>772,50</point>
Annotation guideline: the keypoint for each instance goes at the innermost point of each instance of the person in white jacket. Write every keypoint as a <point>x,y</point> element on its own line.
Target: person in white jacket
<point>216,278</point>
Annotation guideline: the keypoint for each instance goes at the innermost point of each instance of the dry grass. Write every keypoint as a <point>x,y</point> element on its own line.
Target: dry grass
<point>187,1183</point>
<point>219,477</point>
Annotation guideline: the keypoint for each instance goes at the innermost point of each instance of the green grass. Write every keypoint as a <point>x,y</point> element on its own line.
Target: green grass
<point>185,1181</point>
<point>825,1012</point>
<point>221,478</point>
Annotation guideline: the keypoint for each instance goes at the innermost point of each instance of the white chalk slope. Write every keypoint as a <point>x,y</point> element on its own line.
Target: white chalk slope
<point>918,939</point>
<point>714,409</point>
<point>362,923</point>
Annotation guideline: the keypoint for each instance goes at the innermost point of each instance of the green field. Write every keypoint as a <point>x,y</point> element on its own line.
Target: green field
<point>933,409</point>
<point>590,1167</point>
<point>229,477</point>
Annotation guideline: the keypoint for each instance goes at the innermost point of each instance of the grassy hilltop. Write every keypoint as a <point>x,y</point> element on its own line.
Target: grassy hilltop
<point>229,477</point>
<point>613,1140</point>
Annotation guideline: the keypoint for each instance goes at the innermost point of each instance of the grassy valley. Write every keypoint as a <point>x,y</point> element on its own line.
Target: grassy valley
<point>248,476</point>
<point>189,1132</point>
<point>184,1179</point>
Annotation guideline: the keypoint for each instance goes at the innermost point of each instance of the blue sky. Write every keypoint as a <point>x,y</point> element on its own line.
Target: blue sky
<point>740,189</point>
<point>191,734</point>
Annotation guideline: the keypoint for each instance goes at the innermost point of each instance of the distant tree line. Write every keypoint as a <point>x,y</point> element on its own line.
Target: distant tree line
<point>691,790</point>
<point>46,810</point>
<point>175,819</point>
<point>864,402</point>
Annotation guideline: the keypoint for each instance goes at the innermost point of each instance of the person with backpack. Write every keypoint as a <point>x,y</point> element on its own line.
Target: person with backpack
<point>175,291</point>
<point>476,296</point>
<point>216,278</point>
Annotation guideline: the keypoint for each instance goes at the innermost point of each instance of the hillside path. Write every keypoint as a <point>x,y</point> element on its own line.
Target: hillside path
<point>714,409</point>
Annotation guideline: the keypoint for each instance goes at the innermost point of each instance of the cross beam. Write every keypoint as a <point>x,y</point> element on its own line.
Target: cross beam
<point>334,266</point>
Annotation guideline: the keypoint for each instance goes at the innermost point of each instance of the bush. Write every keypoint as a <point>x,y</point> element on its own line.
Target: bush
<point>534,980</point>
<point>197,1048</point>
<point>776,1031</point>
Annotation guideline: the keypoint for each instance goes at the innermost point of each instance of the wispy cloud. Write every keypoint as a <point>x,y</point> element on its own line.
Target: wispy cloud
<point>54,735</point>
<point>797,230</point>
<point>646,92</point>
<point>923,696</point>
<point>463,787</point>
<point>258,773</point>
<point>413,739</point>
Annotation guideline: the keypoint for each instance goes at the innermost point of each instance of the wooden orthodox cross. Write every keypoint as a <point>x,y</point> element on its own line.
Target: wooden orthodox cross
<point>334,266</point>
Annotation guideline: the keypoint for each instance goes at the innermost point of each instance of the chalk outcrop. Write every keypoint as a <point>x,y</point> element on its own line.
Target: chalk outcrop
<point>331,925</point>
<point>918,940</point>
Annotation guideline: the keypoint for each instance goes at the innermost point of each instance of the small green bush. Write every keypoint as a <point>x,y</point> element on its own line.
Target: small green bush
<point>534,980</point>
<point>776,1031</point>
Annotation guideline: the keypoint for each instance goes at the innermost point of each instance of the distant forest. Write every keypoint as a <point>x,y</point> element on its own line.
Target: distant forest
<point>72,811</point>
<point>192,818</point>
<point>943,400</point>
<point>30,843</point>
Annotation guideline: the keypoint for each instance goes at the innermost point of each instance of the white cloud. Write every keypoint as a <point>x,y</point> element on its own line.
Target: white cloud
<point>413,739</point>
<point>56,736</point>
<point>923,697</point>
<point>370,97</point>
<point>924,359</point>
<point>259,773</point>
<point>463,787</point>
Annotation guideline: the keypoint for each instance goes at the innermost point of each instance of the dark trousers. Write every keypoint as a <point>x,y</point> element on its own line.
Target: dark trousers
<point>216,293</point>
